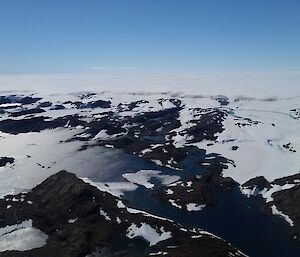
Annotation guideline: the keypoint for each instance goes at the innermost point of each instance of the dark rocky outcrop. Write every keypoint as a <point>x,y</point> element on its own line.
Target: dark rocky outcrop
<point>58,107</point>
<point>189,191</point>
<point>224,183</point>
<point>63,196</point>
<point>90,104</point>
<point>200,190</point>
<point>18,99</point>
<point>6,160</point>
<point>45,104</point>
<point>37,124</point>
<point>130,106</point>
<point>98,104</point>
<point>29,100</point>
<point>27,112</point>
<point>288,202</point>
<point>259,182</point>
<point>223,100</point>
<point>287,180</point>
<point>207,123</point>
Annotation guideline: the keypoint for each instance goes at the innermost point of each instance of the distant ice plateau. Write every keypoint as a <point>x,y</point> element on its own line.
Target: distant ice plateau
<point>198,142</point>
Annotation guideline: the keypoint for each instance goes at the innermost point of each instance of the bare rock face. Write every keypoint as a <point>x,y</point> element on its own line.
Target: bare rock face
<point>6,160</point>
<point>224,183</point>
<point>180,194</point>
<point>50,205</point>
<point>27,112</point>
<point>197,190</point>
<point>288,201</point>
<point>18,99</point>
<point>285,200</point>
<point>286,180</point>
<point>259,182</point>
<point>37,124</point>
<point>80,219</point>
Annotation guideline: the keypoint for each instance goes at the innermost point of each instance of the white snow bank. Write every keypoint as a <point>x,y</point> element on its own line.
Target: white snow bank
<point>71,221</point>
<point>10,105</point>
<point>21,237</point>
<point>266,193</point>
<point>173,202</point>
<point>260,146</point>
<point>250,191</point>
<point>121,205</point>
<point>114,188</point>
<point>104,214</point>
<point>29,149</point>
<point>275,211</point>
<point>148,233</point>
<point>195,207</point>
<point>143,177</point>
<point>102,135</point>
<point>158,253</point>
<point>39,155</point>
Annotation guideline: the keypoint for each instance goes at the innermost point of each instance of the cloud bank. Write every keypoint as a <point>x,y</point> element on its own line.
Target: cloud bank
<point>256,84</point>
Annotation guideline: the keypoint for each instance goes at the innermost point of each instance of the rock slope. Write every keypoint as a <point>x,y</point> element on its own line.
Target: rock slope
<point>79,220</point>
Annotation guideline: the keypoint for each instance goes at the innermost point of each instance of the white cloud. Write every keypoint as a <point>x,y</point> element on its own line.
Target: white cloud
<point>256,84</point>
<point>112,68</point>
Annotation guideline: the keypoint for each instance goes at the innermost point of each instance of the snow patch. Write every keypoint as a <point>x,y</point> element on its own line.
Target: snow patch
<point>175,204</point>
<point>71,221</point>
<point>195,207</point>
<point>21,237</point>
<point>113,188</point>
<point>275,211</point>
<point>148,233</point>
<point>143,177</point>
<point>104,214</point>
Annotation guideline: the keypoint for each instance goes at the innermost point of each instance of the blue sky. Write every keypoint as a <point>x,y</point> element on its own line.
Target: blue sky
<point>63,36</point>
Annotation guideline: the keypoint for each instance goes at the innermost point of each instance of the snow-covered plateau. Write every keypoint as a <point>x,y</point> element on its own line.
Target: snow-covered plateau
<point>185,151</point>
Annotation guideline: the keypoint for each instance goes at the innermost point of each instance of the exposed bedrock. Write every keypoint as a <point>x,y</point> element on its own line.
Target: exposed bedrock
<point>282,198</point>
<point>80,219</point>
